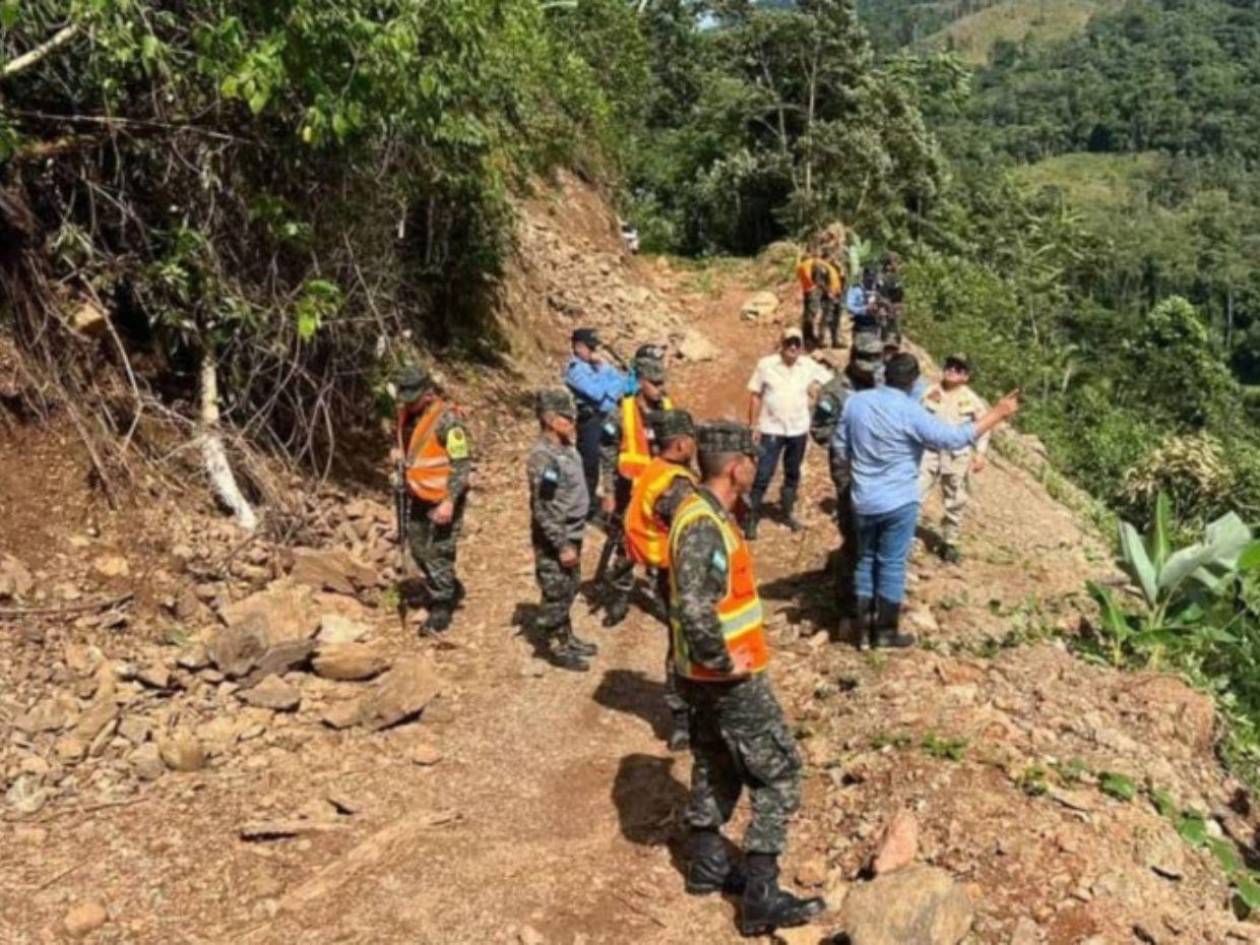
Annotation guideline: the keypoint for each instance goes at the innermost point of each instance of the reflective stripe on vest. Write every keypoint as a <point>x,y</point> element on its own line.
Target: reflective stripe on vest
<point>739,611</point>
<point>428,465</point>
<point>636,448</point>
<point>804,272</point>
<point>647,537</point>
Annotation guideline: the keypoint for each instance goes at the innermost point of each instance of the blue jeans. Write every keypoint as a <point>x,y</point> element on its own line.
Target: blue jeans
<point>792,448</point>
<point>883,549</point>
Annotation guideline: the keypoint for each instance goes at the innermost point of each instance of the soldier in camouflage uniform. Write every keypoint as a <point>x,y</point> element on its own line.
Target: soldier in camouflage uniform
<point>739,737</point>
<point>617,444</point>
<point>558,502</point>
<point>865,366</point>
<point>433,442</point>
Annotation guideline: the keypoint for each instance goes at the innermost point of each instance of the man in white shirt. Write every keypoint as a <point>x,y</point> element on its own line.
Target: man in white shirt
<point>780,391</point>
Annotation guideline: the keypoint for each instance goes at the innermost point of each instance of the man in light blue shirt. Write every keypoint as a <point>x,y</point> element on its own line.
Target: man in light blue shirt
<point>597,387</point>
<point>882,434</point>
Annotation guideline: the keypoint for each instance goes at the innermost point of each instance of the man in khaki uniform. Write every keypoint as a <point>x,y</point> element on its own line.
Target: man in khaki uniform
<point>953,401</point>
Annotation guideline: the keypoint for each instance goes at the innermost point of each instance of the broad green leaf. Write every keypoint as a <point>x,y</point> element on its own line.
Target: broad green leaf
<point>1138,562</point>
<point>1227,537</point>
<point>1249,560</point>
<point>1248,893</point>
<point>1116,785</point>
<point>1164,803</point>
<point>1114,620</point>
<point>1225,855</point>
<point>1181,564</point>
<point>1193,829</point>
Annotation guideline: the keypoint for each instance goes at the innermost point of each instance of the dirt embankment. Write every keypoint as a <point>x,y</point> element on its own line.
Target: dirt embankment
<point>255,749</point>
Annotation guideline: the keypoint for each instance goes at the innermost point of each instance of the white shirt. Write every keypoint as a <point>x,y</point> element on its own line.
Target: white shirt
<point>785,393</point>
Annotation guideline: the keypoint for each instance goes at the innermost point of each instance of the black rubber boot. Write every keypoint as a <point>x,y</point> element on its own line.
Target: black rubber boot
<point>887,622</point>
<point>752,517</point>
<point>439,618</point>
<point>788,501</point>
<point>615,612</point>
<point>680,731</point>
<point>565,655</point>
<point>765,906</point>
<point>950,554</point>
<point>864,621</point>
<point>709,867</point>
<point>578,645</point>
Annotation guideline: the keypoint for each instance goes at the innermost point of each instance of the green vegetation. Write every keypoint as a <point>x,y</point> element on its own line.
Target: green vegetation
<point>975,36</point>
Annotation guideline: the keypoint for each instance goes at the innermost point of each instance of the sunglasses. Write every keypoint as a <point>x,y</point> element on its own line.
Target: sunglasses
<point>792,343</point>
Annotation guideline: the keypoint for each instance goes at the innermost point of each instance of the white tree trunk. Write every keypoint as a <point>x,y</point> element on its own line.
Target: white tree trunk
<point>28,59</point>
<point>213,455</point>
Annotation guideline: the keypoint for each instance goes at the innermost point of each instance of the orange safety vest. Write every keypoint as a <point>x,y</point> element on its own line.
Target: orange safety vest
<point>636,448</point>
<point>740,613</point>
<point>647,537</point>
<point>835,282</point>
<point>428,464</point>
<point>805,273</point>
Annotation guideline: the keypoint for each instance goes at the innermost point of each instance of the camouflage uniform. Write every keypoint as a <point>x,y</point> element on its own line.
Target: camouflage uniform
<point>952,469</point>
<point>558,507</point>
<point>433,547</point>
<point>739,737</point>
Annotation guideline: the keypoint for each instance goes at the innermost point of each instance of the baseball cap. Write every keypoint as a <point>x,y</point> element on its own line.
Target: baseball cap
<point>556,400</point>
<point>959,361</point>
<point>792,334</point>
<point>586,336</point>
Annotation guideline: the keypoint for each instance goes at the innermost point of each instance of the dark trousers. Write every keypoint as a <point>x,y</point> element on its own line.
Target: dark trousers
<point>792,448</point>
<point>589,434</point>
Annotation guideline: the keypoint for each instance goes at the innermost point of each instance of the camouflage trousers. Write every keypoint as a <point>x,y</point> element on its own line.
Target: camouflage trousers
<point>955,481</point>
<point>813,307</point>
<point>619,578</point>
<point>433,549</point>
<point>672,698</point>
<point>558,587</point>
<point>739,739</point>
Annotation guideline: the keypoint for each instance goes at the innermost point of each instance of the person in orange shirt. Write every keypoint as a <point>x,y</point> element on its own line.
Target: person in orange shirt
<point>432,441</point>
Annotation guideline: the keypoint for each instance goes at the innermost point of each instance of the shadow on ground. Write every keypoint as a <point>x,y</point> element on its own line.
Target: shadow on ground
<point>632,692</point>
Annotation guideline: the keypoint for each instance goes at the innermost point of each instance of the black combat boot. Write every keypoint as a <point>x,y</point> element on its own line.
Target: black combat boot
<point>579,645</point>
<point>615,612</point>
<point>765,906</point>
<point>950,554</point>
<point>565,655</point>
<point>680,730</point>
<point>863,621</point>
<point>788,501</point>
<point>887,622</point>
<point>751,516</point>
<point>709,867</point>
<point>439,618</point>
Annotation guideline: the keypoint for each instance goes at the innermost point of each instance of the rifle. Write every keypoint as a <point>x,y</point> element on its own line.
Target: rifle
<point>402,511</point>
<point>615,531</point>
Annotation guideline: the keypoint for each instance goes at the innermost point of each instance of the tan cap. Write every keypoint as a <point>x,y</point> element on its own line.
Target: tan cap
<point>792,334</point>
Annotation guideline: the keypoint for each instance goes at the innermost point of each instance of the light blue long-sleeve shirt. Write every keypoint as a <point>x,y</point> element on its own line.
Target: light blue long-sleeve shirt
<point>599,386</point>
<point>883,433</point>
<point>855,300</point>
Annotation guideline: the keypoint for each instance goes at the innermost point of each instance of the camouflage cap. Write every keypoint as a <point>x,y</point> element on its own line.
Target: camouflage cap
<point>667,424</point>
<point>555,400</point>
<point>725,436</point>
<point>868,351</point>
<point>411,383</point>
<point>651,369</point>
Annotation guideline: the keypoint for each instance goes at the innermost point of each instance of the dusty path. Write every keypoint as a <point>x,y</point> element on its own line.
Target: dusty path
<point>553,809</point>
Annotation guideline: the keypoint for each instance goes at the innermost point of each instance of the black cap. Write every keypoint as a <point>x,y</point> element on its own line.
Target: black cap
<point>586,336</point>
<point>958,361</point>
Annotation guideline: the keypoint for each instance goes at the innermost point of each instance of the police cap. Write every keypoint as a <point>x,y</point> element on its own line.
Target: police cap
<point>586,336</point>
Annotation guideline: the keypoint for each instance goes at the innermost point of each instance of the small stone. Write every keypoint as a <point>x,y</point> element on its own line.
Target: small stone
<point>349,661</point>
<point>528,935</point>
<point>182,752</point>
<point>46,716</point>
<point>111,566</point>
<point>147,763</point>
<point>336,628</point>
<point>1025,932</point>
<point>155,676</point>
<point>193,657</point>
<point>425,754</point>
<point>900,844</point>
<point>84,919</point>
<point>26,795</point>
<point>272,693</point>
<point>135,728</point>
<point>813,872</point>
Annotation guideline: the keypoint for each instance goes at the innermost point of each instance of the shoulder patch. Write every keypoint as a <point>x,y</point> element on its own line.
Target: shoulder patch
<point>457,444</point>
<point>551,473</point>
<point>719,560</point>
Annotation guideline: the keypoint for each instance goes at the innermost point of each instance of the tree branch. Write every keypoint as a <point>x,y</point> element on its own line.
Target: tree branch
<point>28,59</point>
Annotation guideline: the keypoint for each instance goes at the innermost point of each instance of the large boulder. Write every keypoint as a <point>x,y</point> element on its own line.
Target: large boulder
<point>918,905</point>
<point>349,661</point>
<point>332,570</point>
<point>399,695</point>
<point>696,347</point>
<point>283,611</point>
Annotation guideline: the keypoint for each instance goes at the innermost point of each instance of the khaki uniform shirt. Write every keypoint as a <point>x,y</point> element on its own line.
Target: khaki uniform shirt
<point>957,406</point>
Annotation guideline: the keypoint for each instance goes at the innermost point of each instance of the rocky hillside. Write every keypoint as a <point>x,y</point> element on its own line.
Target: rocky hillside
<point>207,736</point>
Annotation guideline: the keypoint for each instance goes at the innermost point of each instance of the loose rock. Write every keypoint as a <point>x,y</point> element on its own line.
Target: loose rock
<point>899,845</point>
<point>182,752</point>
<point>84,918</point>
<point>919,905</point>
<point>272,693</point>
<point>349,661</point>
